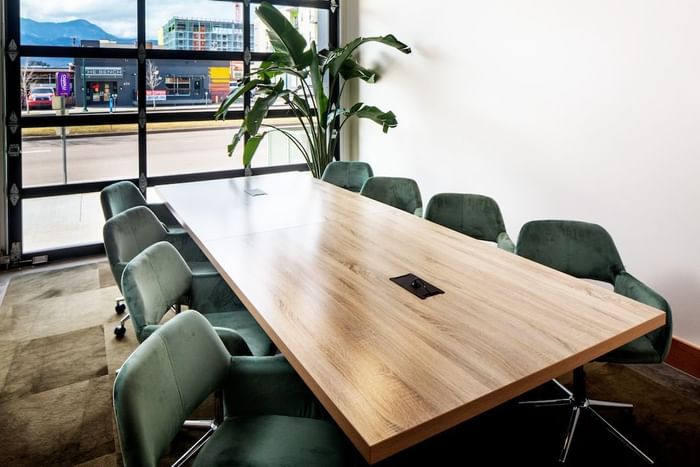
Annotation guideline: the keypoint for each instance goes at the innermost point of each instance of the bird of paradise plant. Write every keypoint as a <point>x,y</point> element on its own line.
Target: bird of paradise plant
<point>316,107</point>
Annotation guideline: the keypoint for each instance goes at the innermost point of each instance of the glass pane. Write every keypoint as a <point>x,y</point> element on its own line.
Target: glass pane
<point>190,84</point>
<point>278,149</point>
<point>110,85</point>
<point>61,221</point>
<point>195,24</point>
<point>56,156</point>
<point>312,23</point>
<point>190,147</point>
<point>78,24</point>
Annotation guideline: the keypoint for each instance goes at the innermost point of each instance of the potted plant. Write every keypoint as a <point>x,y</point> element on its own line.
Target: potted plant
<point>314,94</point>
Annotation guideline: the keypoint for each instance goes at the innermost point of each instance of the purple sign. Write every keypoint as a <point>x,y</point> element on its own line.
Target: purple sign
<point>63,87</point>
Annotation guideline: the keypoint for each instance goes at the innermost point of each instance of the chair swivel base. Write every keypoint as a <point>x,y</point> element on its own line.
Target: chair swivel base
<point>580,404</point>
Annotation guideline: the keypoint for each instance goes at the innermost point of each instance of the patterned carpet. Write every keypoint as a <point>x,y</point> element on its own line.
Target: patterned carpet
<point>58,357</point>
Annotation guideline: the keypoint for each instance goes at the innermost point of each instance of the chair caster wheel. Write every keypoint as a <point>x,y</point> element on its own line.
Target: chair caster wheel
<point>119,331</point>
<point>120,308</point>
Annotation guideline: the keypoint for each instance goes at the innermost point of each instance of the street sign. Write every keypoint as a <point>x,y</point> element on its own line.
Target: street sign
<point>157,95</point>
<point>63,86</point>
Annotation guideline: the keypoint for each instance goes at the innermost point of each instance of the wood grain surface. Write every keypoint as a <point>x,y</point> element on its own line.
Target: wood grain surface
<point>312,263</point>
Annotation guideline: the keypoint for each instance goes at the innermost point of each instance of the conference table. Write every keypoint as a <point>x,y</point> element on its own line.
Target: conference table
<point>312,262</point>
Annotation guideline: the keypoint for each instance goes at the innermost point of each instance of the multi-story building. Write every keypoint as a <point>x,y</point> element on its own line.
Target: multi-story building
<point>201,34</point>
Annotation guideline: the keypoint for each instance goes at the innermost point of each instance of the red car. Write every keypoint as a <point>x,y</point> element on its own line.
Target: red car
<point>40,98</point>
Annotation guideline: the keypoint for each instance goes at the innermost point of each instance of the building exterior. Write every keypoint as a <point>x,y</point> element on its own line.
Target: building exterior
<point>201,34</point>
<point>174,82</point>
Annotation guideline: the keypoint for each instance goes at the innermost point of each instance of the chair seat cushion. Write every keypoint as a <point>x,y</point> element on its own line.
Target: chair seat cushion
<point>275,440</point>
<point>638,351</point>
<point>244,324</point>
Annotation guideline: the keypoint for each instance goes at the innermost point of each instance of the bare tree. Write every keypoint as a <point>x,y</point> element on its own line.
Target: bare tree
<point>153,78</point>
<point>28,79</point>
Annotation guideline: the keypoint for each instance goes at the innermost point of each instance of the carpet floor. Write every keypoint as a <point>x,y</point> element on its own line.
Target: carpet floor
<point>58,358</point>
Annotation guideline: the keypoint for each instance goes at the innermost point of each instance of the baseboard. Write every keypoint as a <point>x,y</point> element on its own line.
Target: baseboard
<point>684,356</point>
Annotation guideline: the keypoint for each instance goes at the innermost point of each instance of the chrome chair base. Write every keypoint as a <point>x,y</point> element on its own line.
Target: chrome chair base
<point>581,404</point>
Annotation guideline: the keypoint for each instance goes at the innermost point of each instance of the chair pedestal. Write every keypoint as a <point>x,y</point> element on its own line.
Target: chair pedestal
<point>581,404</point>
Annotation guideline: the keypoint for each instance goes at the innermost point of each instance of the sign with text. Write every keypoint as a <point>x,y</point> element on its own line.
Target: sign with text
<point>155,95</point>
<point>103,71</point>
<point>63,85</point>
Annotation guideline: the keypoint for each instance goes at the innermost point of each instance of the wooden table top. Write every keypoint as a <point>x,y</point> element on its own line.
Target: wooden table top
<point>312,263</point>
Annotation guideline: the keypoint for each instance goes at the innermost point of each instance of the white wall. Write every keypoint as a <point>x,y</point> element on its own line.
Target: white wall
<point>585,110</point>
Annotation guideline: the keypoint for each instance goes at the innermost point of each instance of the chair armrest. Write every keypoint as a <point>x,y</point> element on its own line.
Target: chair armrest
<point>143,333</point>
<point>233,342</point>
<point>267,386</point>
<point>505,243</point>
<point>631,287</point>
<point>211,294</point>
<point>163,214</point>
<point>187,248</point>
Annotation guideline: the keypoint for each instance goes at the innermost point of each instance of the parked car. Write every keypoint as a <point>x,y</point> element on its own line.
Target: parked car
<point>40,98</point>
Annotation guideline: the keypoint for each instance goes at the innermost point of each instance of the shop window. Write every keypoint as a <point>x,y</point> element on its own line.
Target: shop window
<point>178,86</point>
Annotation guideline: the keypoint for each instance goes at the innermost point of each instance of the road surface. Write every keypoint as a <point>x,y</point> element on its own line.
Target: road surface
<point>97,158</point>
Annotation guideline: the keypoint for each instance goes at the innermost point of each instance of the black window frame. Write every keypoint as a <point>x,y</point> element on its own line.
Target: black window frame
<point>15,121</point>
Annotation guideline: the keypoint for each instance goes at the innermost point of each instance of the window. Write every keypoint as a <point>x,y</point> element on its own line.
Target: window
<point>178,86</point>
<point>107,91</point>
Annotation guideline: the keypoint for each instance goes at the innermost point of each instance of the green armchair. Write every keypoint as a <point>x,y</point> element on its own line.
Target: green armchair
<point>587,251</point>
<point>127,234</point>
<point>350,175</point>
<point>120,196</point>
<point>474,215</point>
<point>158,277</point>
<point>401,193</point>
<point>270,417</point>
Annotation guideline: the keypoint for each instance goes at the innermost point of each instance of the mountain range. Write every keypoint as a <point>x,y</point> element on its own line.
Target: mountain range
<point>65,33</point>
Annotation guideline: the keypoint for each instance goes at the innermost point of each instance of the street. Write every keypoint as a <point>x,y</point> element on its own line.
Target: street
<point>111,157</point>
<point>61,221</point>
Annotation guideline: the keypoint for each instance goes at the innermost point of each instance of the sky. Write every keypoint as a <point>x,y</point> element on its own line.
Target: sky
<point>119,18</point>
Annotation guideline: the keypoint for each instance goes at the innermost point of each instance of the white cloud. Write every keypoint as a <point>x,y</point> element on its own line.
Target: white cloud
<point>119,18</point>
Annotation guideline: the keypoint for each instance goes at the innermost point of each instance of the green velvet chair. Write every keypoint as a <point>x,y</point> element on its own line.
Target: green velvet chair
<point>120,196</point>
<point>401,193</point>
<point>158,277</point>
<point>474,215</point>
<point>127,234</point>
<point>587,251</point>
<point>270,417</point>
<point>350,175</point>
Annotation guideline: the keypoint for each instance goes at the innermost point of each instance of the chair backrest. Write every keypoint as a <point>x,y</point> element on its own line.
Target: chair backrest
<point>162,382</point>
<point>580,249</point>
<point>473,215</point>
<point>118,197</point>
<point>401,193</point>
<point>127,234</point>
<point>350,175</point>
<point>633,288</point>
<point>152,282</point>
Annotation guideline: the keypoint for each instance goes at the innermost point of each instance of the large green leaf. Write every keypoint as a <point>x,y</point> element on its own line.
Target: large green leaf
<point>233,97</point>
<point>317,84</point>
<point>385,119</point>
<point>262,105</point>
<point>288,44</point>
<point>351,69</point>
<point>236,139</point>
<point>250,147</point>
<point>335,63</point>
